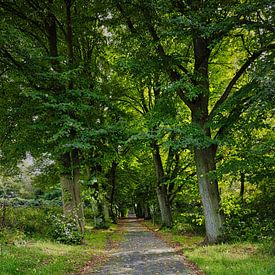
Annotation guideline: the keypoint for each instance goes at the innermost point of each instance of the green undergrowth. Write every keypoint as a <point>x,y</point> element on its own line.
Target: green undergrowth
<point>34,256</point>
<point>227,259</point>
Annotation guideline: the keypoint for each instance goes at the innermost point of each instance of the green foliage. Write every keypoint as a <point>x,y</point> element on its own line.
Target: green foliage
<point>64,229</point>
<point>10,236</point>
<point>29,220</point>
<point>101,223</point>
<point>115,92</point>
<point>189,221</point>
<point>249,219</point>
<point>268,248</point>
<point>41,223</point>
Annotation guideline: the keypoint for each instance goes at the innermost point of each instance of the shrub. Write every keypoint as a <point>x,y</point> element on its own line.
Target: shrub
<point>101,223</point>
<point>268,247</point>
<point>190,221</point>
<point>180,228</point>
<point>42,222</point>
<point>29,220</point>
<point>248,220</point>
<point>11,236</point>
<point>65,229</point>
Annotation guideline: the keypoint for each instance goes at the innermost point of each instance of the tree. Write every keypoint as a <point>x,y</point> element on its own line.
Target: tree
<point>182,39</point>
<point>59,67</point>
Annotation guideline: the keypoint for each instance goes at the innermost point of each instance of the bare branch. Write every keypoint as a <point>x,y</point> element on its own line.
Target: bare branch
<point>60,26</point>
<point>134,100</point>
<point>249,52</point>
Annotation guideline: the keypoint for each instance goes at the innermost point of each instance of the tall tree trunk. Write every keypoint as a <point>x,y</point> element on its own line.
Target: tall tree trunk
<point>103,206</point>
<point>205,164</point>
<point>242,185</point>
<point>71,197</point>
<point>161,188</point>
<point>112,179</point>
<point>3,218</point>
<point>139,210</point>
<point>164,205</point>
<point>205,158</point>
<point>147,212</point>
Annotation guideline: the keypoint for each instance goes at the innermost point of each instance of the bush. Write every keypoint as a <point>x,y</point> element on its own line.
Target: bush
<point>181,228</point>
<point>65,229</point>
<point>248,220</point>
<point>41,222</point>
<point>190,221</point>
<point>268,247</point>
<point>101,223</point>
<point>30,220</point>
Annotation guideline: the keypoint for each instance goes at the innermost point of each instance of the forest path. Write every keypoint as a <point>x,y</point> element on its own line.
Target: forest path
<point>142,252</point>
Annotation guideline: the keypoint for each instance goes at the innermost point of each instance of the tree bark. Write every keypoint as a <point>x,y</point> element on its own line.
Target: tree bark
<point>147,212</point>
<point>139,210</point>
<point>3,218</point>
<point>242,178</point>
<point>205,158</point>
<point>71,197</point>
<point>161,188</point>
<point>164,205</point>
<point>208,187</point>
<point>112,179</point>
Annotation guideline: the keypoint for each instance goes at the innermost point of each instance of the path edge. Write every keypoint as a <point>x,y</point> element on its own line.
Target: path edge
<point>191,266</point>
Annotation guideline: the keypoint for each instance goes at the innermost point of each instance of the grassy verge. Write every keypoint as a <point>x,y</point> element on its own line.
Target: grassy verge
<point>46,257</point>
<point>225,259</point>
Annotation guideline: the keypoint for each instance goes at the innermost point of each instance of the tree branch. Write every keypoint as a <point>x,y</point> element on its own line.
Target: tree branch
<point>145,108</point>
<point>174,75</point>
<point>233,116</point>
<point>179,187</point>
<point>156,39</point>
<point>132,105</point>
<point>237,76</point>
<point>127,18</point>
<point>134,100</point>
<point>21,15</point>
<point>5,70</point>
<point>20,66</point>
<point>37,38</point>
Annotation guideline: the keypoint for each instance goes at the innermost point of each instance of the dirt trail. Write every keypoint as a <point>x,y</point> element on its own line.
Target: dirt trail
<point>141,253</point>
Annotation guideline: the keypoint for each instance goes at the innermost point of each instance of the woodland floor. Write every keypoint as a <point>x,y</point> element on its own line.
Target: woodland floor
<point>142,252</point>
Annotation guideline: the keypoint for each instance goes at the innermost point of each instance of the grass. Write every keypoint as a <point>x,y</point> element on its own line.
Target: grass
<point>225,259</point>
<point>46,257</point>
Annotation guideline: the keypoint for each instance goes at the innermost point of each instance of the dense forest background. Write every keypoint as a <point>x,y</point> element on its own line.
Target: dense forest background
<point>163,109</point>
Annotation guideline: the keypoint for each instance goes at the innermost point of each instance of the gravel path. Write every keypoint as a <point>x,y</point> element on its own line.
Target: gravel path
<point>143,253</point>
